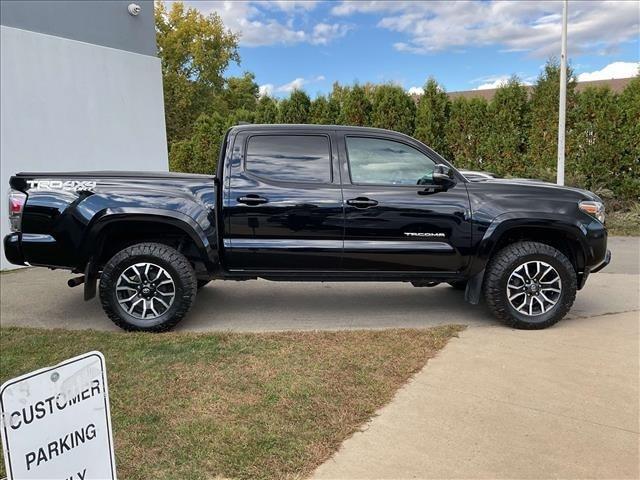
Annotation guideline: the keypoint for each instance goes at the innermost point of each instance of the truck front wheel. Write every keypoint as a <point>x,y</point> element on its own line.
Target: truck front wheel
<point>147,287</point>
<point>530,285</point>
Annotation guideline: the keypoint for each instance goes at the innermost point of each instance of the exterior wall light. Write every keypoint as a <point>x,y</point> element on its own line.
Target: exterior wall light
<point>134,9</point>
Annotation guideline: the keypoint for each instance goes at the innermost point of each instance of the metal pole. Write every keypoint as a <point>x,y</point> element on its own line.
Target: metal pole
<point>563,95</point>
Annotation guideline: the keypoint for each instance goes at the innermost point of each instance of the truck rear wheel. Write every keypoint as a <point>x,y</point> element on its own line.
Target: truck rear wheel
<point>530,285</point>
<point>147,287</point>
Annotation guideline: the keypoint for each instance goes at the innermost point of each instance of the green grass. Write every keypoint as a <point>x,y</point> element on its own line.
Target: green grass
<point>624,220</point>
<point>204,406</point>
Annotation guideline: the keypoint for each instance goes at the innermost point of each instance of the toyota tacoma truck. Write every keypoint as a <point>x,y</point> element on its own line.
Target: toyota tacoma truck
<point>309,203</point>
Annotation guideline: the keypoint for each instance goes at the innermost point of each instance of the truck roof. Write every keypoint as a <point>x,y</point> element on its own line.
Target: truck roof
<point>296,126</point>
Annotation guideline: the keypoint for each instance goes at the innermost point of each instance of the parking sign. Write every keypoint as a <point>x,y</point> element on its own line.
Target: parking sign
<point>56,422</point>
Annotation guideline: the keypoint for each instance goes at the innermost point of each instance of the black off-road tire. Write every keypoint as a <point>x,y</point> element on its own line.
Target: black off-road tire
<point>459,284</point>
<point>176,265</point>
<point>505,262</point>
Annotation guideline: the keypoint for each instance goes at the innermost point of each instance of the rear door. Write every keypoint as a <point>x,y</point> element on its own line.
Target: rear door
<point>396,219</point>
<point>283,208</point>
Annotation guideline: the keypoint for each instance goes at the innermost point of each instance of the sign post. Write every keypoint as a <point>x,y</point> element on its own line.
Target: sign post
<point>56,422</point>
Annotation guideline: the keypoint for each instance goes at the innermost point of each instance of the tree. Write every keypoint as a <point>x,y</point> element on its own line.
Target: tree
<point>319,111</point>
<point>241,115</point>
<point>267,110</point>
<point>465,131</point>
<point>241,92</point>
<point>629,105</point>
<point>295,109</point>
<point>505,144</point>
<point>334,105</point>
<point>431,117</point>
<point>370,90</point>
<point>194,51</point>
<point>356,107</point>
<point>393,109</point>
<point>543,133</point>
<point>199,153</point>
<point>596,155</point>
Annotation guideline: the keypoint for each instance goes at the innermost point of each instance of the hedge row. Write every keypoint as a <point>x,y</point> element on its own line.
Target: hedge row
<point>514,134</point>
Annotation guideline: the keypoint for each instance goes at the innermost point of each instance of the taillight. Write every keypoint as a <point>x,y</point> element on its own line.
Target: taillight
<point>16,205</point>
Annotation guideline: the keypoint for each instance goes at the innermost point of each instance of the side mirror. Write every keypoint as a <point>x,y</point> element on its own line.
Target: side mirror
<point>443,176</point>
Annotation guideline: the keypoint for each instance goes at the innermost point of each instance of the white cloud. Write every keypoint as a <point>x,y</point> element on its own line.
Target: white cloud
<point>266,90</point>
<point>324,33</point>
<point>295,84</point>
<point>594,26</point>
<point>613,70</point>
<point>258,22</point>
<point>357,6</point>
<point>497,81</point>
<point>291,5</point>
<point>416,91</point>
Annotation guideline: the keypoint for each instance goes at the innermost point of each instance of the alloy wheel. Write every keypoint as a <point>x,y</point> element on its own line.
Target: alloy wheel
<point>145,290</point>
<point>534,288</point>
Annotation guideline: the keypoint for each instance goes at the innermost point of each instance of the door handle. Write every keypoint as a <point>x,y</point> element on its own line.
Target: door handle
<point>362,202</point>
<point>252,199</point>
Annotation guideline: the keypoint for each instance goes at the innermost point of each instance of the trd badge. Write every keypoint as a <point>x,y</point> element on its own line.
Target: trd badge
<point>67,186</point>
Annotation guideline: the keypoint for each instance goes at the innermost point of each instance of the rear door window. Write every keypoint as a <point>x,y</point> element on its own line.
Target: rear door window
<point>289,158</point>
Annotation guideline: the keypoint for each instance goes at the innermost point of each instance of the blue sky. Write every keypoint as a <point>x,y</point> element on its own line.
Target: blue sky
<point>464,45</point>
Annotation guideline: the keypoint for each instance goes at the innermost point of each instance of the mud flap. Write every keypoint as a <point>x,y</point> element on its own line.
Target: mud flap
<point>90,281</point>
<point>474,288</point>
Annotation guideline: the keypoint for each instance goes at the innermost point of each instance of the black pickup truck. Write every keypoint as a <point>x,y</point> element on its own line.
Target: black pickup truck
<point>310,203</point>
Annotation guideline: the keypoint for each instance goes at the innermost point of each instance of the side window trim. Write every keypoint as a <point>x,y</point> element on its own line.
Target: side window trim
<point>389,139</point>
<point>261,178</point>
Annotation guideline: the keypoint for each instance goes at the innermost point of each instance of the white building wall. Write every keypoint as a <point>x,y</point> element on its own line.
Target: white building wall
<point>67,105</point>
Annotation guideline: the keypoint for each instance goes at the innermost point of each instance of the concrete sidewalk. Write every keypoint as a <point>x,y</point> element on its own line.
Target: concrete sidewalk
<point>502,403</point>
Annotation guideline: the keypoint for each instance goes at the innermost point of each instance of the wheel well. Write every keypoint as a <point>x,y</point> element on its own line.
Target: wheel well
<point>121,234</point>
<point>558,239</point>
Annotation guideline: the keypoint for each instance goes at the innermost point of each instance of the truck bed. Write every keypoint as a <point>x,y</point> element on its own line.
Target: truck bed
<point>115,174</point>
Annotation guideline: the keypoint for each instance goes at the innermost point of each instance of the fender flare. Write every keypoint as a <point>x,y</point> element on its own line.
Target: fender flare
<point>506,222</point>
<point>179,220</point>
<point>509,221</point>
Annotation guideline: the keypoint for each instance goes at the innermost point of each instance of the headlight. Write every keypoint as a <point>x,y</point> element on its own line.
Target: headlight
<point>595,209</point>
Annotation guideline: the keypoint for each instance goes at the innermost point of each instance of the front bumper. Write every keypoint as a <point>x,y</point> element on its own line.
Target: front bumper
<point>13,249</point>
<point>582,279</point>
<point>605,262</point>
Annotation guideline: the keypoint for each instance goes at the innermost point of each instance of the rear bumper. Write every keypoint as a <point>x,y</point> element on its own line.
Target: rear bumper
<point>13,250</point>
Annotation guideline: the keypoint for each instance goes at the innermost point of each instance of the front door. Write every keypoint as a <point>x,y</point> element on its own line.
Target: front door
<point>396,219</point>
<point>283,207</point>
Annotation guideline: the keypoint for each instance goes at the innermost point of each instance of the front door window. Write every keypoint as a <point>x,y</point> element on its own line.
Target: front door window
<point>376,161</point>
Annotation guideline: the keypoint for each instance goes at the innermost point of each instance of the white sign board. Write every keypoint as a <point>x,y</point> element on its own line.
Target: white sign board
<point>56,422</point>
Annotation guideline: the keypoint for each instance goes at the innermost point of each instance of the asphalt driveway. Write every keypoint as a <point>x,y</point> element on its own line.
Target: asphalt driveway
<point>41,298</point>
